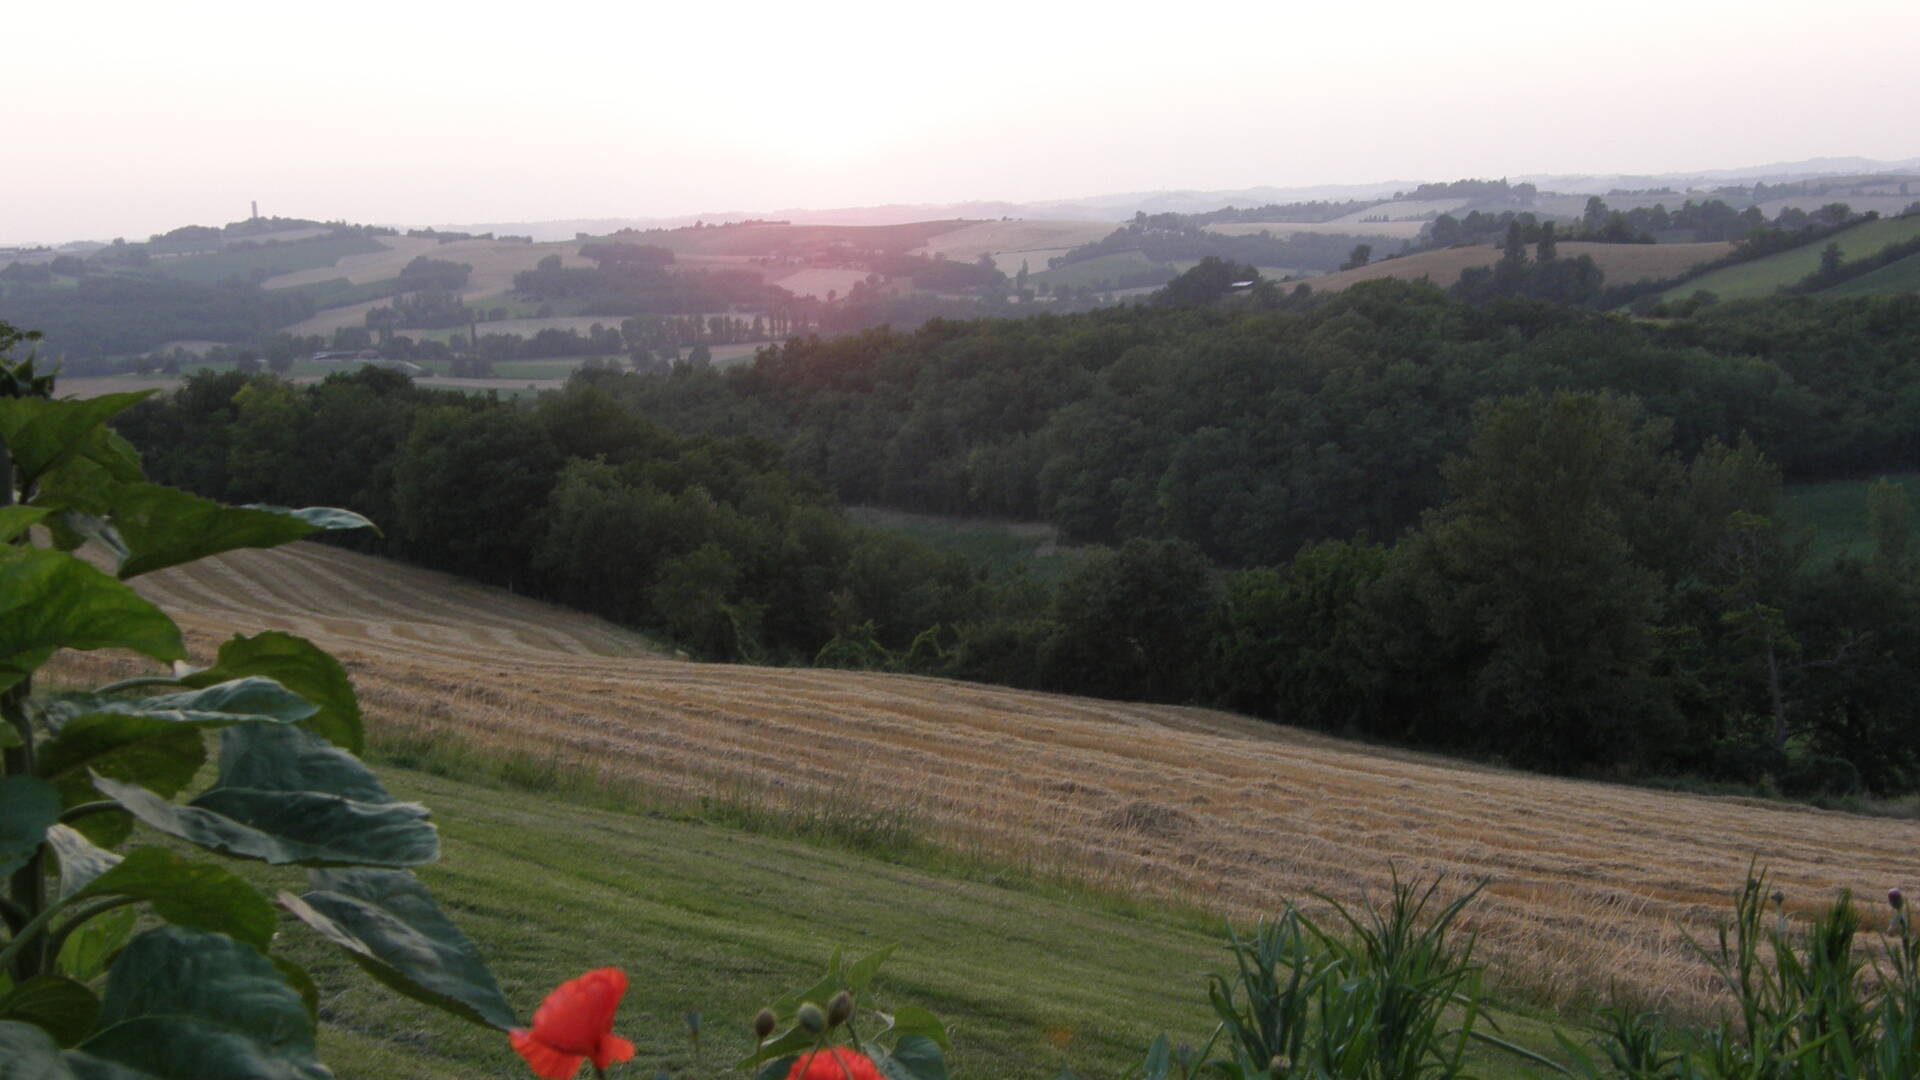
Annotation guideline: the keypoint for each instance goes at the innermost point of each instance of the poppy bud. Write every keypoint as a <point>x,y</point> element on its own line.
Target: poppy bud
<point>1779,898</point>
<point>1895,899</point>
<point>764,1023</point>
<point>839,1009</point>
<point>812,1020</point>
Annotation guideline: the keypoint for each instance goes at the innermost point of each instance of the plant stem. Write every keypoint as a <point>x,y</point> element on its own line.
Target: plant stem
<point>58,939</point>
<point>87,810</point>
<point>135,683</point>
<point>18,950</point>
<point>27,889</point>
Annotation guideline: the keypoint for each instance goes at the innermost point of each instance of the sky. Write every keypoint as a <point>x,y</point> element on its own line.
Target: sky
<point>126,119</point>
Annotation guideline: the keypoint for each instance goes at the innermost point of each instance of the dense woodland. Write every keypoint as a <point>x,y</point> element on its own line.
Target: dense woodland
<point>1516,529</point>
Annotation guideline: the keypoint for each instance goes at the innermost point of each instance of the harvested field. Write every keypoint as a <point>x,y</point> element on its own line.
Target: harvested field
<point>816,282</point>
<point>494,262</point>
<point>1403,210</point>
<point>1013,237</point>
<point>1587,883</point>
<point>1620,262</point>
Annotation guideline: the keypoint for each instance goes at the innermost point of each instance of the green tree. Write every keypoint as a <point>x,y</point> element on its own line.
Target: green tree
<point>1890,524</point>
<point>469,486</point>
<point>1529,598</point>
<point>1133,623</point>
<point>1831,260</point>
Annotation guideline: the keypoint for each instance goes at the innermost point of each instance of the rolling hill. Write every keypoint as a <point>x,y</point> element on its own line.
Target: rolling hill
<point>1587,883</point>
<point>1761,277</point>
<point>1620,262</point>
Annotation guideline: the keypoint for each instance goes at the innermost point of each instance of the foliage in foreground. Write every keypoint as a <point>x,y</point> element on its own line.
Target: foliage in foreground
<point>1389,997</point>
<point>204,994</point>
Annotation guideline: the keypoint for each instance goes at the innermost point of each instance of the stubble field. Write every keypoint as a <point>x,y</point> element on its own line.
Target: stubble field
<point>1588,884</point>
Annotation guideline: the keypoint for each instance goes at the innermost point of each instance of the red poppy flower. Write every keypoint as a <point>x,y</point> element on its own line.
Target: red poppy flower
<point>575,1023</point>
<point>834,1063</point>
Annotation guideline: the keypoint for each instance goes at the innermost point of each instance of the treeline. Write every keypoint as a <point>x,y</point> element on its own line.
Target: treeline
<point>118,313</point>
<point>1179,237</point>
<point>1316,211</point>
<point>632,279</point>
<point>1579,596</point>
<point>710,540</point>
<point>1250,432</point>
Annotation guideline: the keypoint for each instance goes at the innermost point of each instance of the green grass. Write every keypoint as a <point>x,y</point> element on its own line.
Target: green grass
<point>995,545</point>
<point>723,920</point>
<point>1762,277</point>
<point>339,292</point>
<point>538,369</point>
<point>1889,280</point>
<point>724,908</point>
<point>1836,511</point>
<point>1121,267</point>
<point>515,307</point>
<point>271,258</point>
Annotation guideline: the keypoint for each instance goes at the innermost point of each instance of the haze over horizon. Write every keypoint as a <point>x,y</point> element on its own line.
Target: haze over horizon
<point>134,120</point>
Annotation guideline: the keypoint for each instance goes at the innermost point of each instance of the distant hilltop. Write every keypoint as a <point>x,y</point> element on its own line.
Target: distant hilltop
<point>1120,206</point>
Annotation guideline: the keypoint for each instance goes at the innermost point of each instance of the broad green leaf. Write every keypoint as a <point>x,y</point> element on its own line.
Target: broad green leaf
<point>80,860</point>
<point>186,893</point>
<point>267,758</point>
<point>10,736</point>
<point>16,520</point>
<point>914,1057</point>
<point>161,756</point>
<point>29,1053</point>
<point>115,455</point>
<point>151,741</point>
<point>860,975</point>
<point>325,518</point>
<point>162,526</point>
<point>913,1020</point>
<point>29,806</point>
<point>74,528</point>
<point>831,983</point>
<point>300,666</point>
<point>91,948</point>
<point>278,827</point>
<point>40,434</point>
<point>183,1003</point>
<point>63,1007</point>
<point>234,701</point>
<point>283,796</point>
<point>50,600</point>
<point>388,923</point>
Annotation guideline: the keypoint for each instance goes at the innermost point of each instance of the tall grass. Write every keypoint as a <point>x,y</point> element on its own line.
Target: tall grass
<point>1391,993</point>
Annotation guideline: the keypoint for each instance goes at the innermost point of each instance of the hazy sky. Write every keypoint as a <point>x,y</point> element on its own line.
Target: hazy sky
<point>124,119</point>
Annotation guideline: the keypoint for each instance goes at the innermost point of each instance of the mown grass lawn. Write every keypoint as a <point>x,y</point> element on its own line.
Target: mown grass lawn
<point>721,920</point>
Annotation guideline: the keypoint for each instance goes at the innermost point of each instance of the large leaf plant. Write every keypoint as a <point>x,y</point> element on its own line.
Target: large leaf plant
<point>131,951</point>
